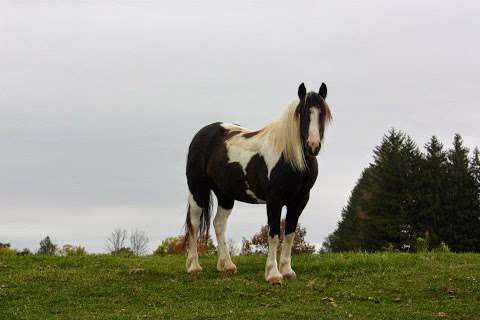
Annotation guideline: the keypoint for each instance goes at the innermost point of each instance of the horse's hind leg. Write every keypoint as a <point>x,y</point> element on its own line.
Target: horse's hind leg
<point>224,209</point>
<point>193,226</point>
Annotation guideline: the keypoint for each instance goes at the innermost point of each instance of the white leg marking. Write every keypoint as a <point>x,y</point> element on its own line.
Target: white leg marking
<point>192,264</point>
<point>272,275</point>
<point>286,257</point>
<point>220,223</point>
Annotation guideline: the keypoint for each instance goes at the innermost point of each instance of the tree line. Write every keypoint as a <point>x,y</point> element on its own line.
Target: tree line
<point>121,243</point>
<point>407,199</point>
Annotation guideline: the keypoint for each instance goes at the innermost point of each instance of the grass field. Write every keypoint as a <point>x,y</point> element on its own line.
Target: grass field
<point>329,286</point>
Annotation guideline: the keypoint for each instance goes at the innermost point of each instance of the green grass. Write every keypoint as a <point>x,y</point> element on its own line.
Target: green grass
<point>329,286</point>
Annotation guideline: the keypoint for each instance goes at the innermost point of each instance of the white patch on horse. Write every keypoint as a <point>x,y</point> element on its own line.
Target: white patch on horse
<point>241,150</point>
<point>314,130</point>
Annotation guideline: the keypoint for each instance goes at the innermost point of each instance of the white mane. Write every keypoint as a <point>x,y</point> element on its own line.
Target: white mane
<point>285,135</point>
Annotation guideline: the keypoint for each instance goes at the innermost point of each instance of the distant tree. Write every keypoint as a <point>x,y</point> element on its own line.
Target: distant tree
<point>432,194</point>
<point>170,246</point>
<point>232,247</point>
<point>460,222</point>
<point>247,247</point>
<point>116,240</point>
<point>25,252</point>
<point>4,245</point>
<point>139,242</point>
<point>7,251</point>
<point>69,250</point>
<point>392,188</point>
<point>123,252</point>
<point>176,246</point>
<point>406,199</point>
<point>475,168</point>
<point>259,241</point>
<point>47,247</point>
<point>350,234</point>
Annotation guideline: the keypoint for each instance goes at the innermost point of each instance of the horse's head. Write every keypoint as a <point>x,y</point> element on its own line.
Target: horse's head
<point>313,113</point>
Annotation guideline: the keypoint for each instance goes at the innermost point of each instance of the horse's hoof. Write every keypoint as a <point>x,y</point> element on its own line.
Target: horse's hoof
<point>226,267</point>
<point>289,276</point>
<point>194,270</point>
<point>231,270</point>
<point>275,280</point>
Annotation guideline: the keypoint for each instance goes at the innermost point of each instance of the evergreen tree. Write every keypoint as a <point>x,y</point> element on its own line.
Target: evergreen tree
<point>475,168</point>
<point>350,235</point>
<point>432,192</point>
<point>393,189</point>
<point>405,194</point>
<point>460,222</point>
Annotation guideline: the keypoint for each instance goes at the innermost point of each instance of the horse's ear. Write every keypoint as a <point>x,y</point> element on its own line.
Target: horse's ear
<point>323,90</point>
<point>302,91</point>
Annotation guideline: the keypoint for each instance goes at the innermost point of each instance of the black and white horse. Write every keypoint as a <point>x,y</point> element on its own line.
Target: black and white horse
<point>275,165</point>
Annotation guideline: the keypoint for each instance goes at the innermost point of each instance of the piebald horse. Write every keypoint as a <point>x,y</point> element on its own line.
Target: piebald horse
<point>275,166</point>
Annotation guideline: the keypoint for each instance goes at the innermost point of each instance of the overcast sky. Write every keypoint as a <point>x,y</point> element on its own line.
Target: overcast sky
<point>100,99</point>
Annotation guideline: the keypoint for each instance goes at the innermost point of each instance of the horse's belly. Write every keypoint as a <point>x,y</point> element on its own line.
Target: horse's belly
<point>232,181</point>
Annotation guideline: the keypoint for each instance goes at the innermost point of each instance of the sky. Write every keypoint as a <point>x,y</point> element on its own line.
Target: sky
<point>99,101</point>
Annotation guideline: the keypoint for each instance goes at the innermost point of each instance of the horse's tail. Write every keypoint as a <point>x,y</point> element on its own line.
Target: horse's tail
<point>205,204</point>
<point>200,200</point>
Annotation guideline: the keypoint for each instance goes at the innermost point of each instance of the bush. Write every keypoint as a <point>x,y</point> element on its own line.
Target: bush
<point>421,244</point>
<point>7,251</point>
<point>170,246</point>
<point>73,251</point>
<point>123,252</point>
<point>258,244</point>
<point>442,248</point>
<point>24,252</point>
<point>175,246</point>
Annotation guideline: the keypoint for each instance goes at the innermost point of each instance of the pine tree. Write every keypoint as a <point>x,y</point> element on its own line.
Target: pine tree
<point>475,168</point>
<point>350,235</point>
<point>405,194</point>
<point>432,192</point>
<point>384,202</point>
<point>460,223</point>
<point>393,192</point>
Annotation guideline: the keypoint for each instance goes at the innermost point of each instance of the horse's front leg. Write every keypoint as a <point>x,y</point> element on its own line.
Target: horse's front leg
<point>294,210</point>
<point>274,211</point>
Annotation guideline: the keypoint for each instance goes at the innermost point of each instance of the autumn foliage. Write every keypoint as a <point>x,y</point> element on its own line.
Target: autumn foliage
<point>258,243</point>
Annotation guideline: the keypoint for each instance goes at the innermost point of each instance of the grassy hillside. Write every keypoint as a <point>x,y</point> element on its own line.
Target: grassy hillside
<point>329,286</point>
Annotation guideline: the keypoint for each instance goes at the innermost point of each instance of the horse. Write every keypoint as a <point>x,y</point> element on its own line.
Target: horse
<point>276,166</point>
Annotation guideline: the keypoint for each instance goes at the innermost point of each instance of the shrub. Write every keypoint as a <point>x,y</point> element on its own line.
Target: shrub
<point>259,242</point>
<point>73,251</point>
<point>123,252</point>
<point>175,246</point>
<point>24,252</point>
<point>7,251</point>
<point>442,248</point>
<point>421,244</point>
<point>170,246</point>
